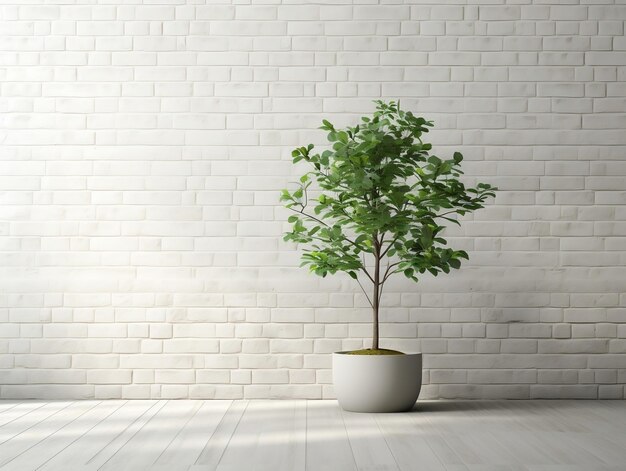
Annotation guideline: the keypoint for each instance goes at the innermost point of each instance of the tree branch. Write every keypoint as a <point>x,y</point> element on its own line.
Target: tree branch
<point>367,273</point>
<point>382,287</point>
<point>301,211</point>
<point>344,237</point>
<point>387,273</point>
<point>390,245</point>
<point>365,293</point>
<point>446,213</point>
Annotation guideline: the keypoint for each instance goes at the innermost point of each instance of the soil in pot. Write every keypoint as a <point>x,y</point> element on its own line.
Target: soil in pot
<point>374,351</point>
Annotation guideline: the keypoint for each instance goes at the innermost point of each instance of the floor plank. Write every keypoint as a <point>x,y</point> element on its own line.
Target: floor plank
<point>120,440</point>
<point>327,443</point>
<point>96,439</point>
<point>145,447</point>
<point>244,442</point>
<point>214,449</point>
<point>8,405</point>
<point>45,450</point>
<point>19,410</point>
<point>407,442</point>
<point>33,435</point>
<point>426,422</point>
<point>30,419</point>
<point>291,435</point>
<point>269,437</point>
<point>283,441</point>
<point>368,444</point>
<point>186,448</point>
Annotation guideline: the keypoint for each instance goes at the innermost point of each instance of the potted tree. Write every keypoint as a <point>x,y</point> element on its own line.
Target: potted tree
<point>372,206</point>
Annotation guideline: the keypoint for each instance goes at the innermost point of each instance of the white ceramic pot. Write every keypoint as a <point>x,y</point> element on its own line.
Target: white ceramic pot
<point>377,383</point>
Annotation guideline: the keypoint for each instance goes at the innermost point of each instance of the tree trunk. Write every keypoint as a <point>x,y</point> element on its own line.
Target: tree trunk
<point>376,293</point>
<point>375,334</point>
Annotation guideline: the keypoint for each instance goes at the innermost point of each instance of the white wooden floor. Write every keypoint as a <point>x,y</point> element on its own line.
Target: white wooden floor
<point>312,435</point>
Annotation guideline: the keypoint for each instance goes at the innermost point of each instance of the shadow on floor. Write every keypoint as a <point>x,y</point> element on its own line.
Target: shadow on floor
<point>484,405</point>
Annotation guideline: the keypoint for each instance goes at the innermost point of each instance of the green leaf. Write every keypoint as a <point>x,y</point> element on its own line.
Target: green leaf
<point>327,125</point>
<point>377,181</point>
<point>361,239</point>
<point>462,254</point>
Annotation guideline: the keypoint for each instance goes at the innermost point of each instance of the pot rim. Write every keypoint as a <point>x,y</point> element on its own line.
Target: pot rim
<point>378,356</point>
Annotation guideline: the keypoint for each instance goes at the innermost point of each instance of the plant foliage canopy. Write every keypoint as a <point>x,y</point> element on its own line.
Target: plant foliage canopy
<point>381,202</point>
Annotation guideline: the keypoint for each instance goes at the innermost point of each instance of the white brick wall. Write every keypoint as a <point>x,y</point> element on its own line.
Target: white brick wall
<point>143,147</point>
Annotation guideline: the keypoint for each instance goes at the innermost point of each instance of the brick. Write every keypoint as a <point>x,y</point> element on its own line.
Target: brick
<point>502,376</point>
<point>109,376</point>
<point>558,376</point>
<point>382,13</point>
<point>499,13</point>
<point>573,346</point>
<point>564,392</point>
